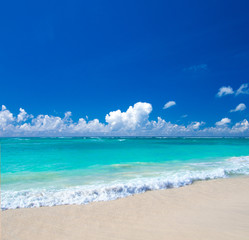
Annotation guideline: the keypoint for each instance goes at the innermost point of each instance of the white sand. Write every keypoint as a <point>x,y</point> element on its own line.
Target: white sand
<point>217,209</point>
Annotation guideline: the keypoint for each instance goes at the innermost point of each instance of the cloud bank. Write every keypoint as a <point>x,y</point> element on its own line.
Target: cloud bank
<point>132,122</point>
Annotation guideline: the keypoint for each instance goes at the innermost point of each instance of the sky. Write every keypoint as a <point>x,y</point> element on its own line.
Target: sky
<point>168,68</point>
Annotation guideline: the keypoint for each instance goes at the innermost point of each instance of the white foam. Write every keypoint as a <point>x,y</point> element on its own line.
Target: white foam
<point>105,192</point>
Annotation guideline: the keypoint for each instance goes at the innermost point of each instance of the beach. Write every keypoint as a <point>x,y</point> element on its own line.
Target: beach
<point>124,120</point>
<point>215,209</point>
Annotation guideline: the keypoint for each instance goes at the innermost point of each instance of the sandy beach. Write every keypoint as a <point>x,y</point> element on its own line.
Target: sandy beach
<point>216,209</point>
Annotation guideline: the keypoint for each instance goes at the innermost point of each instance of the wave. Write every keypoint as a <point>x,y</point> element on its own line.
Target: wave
<point>92,193</point>
<point>121,140</point>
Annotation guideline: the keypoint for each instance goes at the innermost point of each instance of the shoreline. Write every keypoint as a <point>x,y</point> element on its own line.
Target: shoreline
<point>213,209</point>
<point>132,195</point>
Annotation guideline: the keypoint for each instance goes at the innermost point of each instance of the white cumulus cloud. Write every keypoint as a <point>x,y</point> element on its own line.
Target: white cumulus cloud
<point>223,91</point>
<point>196,125</point>
<point>6,118</point>
<point>242,126</point>
<point>135,117</point>
<point>23,116</point>
<point>223,122</point>
<point>239,108</point>
<point>169,104</point>
<point>132,122</point>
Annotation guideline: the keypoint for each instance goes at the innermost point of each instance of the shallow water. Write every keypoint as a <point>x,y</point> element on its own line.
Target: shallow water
<point>53,171</point>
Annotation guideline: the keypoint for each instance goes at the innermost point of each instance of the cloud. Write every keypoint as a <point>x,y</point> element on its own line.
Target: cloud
<point>243,89</point>
<point>242,126</point>
<point>169,104</point>
<point>132,122</point>
<point>6,118</point>
<point>223,122</point>
<point>196,67</point>
<point>196,125</point>
<point>225,91</point>
<point>135,117</point>
<point>23,116</point>
<point>239,108</point>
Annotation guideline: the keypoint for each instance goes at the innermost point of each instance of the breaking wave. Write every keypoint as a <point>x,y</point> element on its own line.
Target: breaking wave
<point>92,193</point>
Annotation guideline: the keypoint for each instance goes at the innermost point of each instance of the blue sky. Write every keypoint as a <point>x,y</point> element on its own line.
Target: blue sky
<point>94,57</point>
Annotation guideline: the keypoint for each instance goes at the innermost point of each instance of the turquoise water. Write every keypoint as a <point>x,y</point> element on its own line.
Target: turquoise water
<point>53,171</point>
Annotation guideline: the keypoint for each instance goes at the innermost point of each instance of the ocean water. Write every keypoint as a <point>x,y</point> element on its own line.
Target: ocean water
<point>39,172</point>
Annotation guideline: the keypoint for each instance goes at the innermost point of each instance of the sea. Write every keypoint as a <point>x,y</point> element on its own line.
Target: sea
<point>37,172</point>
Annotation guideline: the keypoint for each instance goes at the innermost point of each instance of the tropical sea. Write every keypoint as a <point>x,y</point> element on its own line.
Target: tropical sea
<point>39,172</point>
